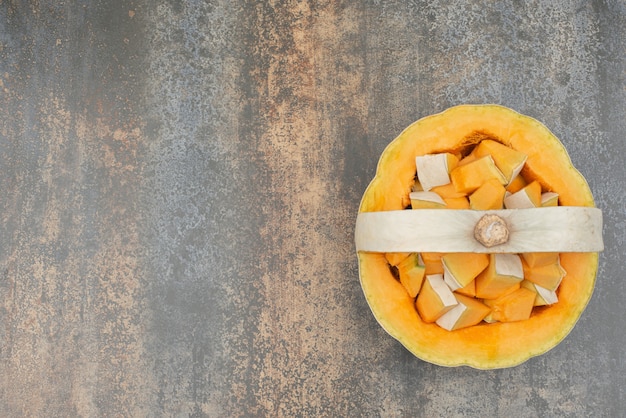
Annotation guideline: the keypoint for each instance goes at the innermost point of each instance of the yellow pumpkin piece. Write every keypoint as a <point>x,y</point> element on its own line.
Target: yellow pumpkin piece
<point>515,306</point>
<point>462,268</point>
<point>533,190</point>
<point>434,169</point>
<point>467,159</point>
<point>530,286</point>
<point>466,313</point>
<point>417,187</point>
<point>504,274</point>
<point>452,160</point>
<point>517,184</point>
<point>508,160</point>
<point>548,276</point>
<point>432,262</point>
<point>395,258</point>
<point>549,199</point>
<point>543,296</point>
<point>434,299</point>
<point>468,290</point>
<point>488,196</point>
<point>540,259</point>
<point>447,191</point>
<point>426,200</point>
<point>471,176</point>
<point>411,272</point>
<point>457,203</point>
<point>528,197</point>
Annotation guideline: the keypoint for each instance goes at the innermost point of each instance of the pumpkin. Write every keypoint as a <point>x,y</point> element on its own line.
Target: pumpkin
<point>386,233</point>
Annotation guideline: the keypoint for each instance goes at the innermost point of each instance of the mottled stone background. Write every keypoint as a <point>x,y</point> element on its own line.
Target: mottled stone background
<point>179,182</point>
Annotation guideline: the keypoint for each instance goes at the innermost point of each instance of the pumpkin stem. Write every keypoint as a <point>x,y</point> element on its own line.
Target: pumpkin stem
<point>491,230</point>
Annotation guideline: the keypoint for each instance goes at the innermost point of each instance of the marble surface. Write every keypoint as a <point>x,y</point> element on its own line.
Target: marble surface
<point>179,182</point>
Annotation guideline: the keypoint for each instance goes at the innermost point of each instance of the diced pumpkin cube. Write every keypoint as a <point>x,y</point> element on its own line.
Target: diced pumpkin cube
<point>395,258</point>
<point>549,199</point>
<point>471,176</point>
<point>457,203</point>
<point>503,275</point>
<point>548,276</point>
<point>462,268</point>
<point>533,190</point>
<point>434,299</point>
<point>540,259</point>
<point>543,296</point>
<point>468,290</point>
<point>517,184</point>
<point>490,195</point>
<point>447,191</point>
<point>411,271</point>
<point>432,262</point>
<point>515,306</point>
<point>527,197</point>
<point>434,169</point>
<point>467,159</point>
<point>426,200</point>
<point>466,313</point>
<point>508,160</point>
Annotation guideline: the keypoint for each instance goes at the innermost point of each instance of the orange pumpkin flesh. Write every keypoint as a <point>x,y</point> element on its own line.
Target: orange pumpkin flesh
<point>484,346</point>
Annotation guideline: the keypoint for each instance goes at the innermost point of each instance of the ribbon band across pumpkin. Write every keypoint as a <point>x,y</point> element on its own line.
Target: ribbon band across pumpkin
<point>548,229</point>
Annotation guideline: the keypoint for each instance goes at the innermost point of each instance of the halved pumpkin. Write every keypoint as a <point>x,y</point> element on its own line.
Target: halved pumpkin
<point>484,346</point>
